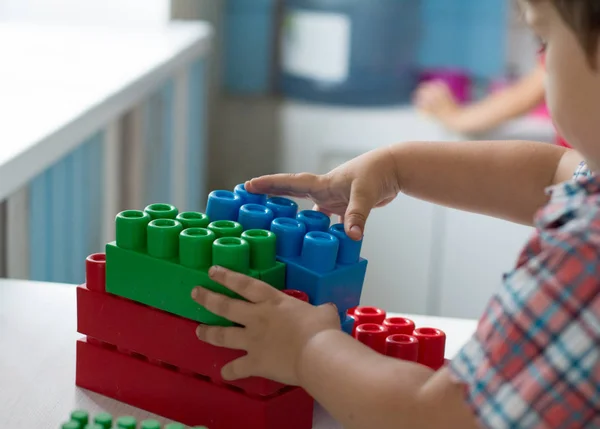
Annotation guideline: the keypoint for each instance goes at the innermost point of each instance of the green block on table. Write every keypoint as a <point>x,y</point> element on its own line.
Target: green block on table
<point>157,261</point>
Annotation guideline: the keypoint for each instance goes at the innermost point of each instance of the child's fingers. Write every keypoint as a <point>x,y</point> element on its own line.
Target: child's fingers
<point>230,337</point>
<point>237,369</point>
<point>252,289</point>
<point>235,310</point>
<point>283,184</point>
<point>358,210</point>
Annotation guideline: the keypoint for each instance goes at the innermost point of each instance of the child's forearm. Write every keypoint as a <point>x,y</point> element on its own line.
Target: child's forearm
<point>363,389</point>
<point>502,179</point>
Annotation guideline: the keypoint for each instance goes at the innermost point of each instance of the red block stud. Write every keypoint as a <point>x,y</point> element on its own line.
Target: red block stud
<point>399,325</point>
<point>372,335</point>
<point>432,347</point>
<point>95,272</point>
<point>297,294</point>
<point>368,315</point>
<point>402,346</point>
<point>351,311</point>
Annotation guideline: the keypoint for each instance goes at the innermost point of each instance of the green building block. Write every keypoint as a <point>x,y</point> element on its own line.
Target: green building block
<point>157,261</point>
<point>80,419</point>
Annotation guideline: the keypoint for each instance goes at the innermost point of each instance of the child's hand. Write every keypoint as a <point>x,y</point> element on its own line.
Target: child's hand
<point>276,327</point>
<point>436,99</point>
<point>350,191</point>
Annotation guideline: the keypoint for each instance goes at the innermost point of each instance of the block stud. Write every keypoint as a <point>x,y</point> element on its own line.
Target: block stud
<point>195,247</point>
<point>349,252</point>
<point>226,228</point>
<point>104,420</point>
<point>95,272</point>
<point>161,211</point>
<point>401,346</point>
<point>193,220</point>
<point>368,315</point>
<point>432,347</point>
<point>71,425</point>
<point>262,248</point>
<point>223,205</point>
<point>372,335</point>
<point>80,416</point>
<point>126,422</point>
<point>319,251</point>
<point>255,216</point>
<point>248,197</point>
<point>283,207</point>
<point>163,238</point>
<point>232,253</point>
<point>298,294</point>
<point>399,325</point>
<point>131,226</point>
<point>174,426</point>
<point>290,236</point>
<point>150,424</point>
<point>314,220</point>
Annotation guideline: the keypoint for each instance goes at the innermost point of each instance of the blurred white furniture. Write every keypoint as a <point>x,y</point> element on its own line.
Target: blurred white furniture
<point>38,327</point>
<point>61,84</point>
<point>423,258</point>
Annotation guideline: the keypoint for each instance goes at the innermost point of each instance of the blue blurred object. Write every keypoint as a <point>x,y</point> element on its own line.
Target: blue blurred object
<point>249,45</point>
<point>354,52</point>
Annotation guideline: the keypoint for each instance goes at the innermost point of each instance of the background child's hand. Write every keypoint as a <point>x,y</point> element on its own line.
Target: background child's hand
<point>350,191</point>
<point>276,327</point>
<point>436,99</point>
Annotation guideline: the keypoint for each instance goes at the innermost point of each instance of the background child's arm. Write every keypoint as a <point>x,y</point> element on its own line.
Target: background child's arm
<point>379,392</point>
<point>502,179</point>
<point>436,99</point>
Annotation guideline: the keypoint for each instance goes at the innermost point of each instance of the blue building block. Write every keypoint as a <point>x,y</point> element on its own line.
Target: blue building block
<point>348,324</point>
<point>326,265</point>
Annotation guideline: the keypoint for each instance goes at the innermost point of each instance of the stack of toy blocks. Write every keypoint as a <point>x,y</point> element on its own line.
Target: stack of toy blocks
<point>398,337</point>
<point>139,319</point>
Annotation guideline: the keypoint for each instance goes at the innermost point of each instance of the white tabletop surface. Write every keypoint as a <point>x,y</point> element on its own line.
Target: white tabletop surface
<point>60,84</point>
<point>38,331</point>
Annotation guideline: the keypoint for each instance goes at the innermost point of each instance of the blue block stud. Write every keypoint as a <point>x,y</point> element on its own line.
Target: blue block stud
<point>314,220</point>
<point>248,197</point>
<point>223,205</point>
<point>319,251</point>
<point>255,216</point>
<point>283,207</point>
<point>348,324</point>
<point>290,236</point>
<point>349,252</point>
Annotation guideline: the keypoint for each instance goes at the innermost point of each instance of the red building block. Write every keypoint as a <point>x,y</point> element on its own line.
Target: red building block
<point>186,398</point>
<point>154,333</point>
<point>159,335</point>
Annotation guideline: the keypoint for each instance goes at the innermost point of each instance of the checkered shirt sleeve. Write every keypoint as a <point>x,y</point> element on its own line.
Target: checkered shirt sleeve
<point>534,361</point>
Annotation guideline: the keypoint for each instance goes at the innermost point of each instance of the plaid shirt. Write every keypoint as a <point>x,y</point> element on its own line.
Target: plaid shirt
<point>534,361</point>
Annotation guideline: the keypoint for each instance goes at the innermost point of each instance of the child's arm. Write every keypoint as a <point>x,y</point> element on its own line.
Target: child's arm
<point>501,179</point>
<point>518,99</point>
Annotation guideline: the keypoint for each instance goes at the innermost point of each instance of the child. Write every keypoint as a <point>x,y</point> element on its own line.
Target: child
<point>534,361</point>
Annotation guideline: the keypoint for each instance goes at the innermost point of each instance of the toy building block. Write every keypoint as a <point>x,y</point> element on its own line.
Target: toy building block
<point>156,334</point>
<point>348,324</point>
<point>81,419</point>
<point>159,256</point>
<point>397,337</point>
<point>321,261</point>
<point>185,398</point>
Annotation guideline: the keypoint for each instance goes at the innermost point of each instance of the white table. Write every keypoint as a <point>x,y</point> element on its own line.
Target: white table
<point>37,363</point>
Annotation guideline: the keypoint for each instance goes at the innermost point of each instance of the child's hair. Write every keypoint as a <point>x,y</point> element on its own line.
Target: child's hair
<point>583,17</point>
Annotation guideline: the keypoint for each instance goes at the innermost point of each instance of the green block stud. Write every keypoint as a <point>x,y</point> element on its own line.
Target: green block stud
<point>174,426</point>
<point>94,426</point>
<point>162,269</point>
<point>80,416</point>
<point>104,420</point>
<point>126,422</point>
<point>150,424</point>
<point>71,425</point>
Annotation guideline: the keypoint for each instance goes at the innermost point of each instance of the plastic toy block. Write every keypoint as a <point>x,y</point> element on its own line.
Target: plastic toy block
<point>325,265</point>
<point>160,336</point>
<point>157,262</point>
<point>105,421</point>
<point>397,337</point>
<point>248,197</point>
<point>348,324</point>
<point>186,398</point>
